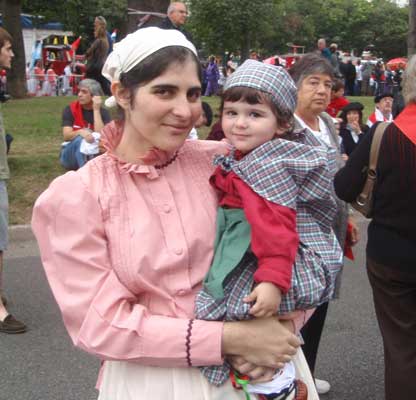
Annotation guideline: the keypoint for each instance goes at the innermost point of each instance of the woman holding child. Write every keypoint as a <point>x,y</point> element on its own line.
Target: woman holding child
<point>126,257</point>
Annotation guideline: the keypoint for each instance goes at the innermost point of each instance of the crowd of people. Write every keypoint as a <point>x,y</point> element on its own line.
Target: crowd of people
<point>205,307</point>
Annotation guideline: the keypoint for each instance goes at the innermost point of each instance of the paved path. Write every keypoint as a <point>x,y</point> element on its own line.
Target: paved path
<point>42,364</point>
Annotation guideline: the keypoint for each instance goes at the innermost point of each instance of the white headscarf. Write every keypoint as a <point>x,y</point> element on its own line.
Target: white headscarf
<point>137,46</point>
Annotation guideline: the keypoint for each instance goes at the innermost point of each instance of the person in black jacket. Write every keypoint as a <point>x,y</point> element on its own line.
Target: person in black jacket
<point>391,255</point>
<point>177,14</point>
<point>352,128</point>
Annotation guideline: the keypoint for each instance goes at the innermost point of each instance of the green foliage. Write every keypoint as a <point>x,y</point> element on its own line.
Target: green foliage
<point>231,25</point>
<point>78,15</point>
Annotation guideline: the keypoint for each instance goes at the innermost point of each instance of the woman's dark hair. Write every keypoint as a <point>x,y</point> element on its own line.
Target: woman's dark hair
<point>344,122</point>
<point>153,66</point>
<point>310,64</point>
<point>254,96</point>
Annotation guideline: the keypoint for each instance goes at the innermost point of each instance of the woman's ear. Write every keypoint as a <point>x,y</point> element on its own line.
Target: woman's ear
<point>121,94</point>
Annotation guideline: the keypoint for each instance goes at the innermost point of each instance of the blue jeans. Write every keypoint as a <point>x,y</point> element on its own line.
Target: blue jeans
<point>71,158</point>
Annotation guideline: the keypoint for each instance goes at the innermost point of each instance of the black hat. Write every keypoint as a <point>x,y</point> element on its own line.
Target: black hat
<point>208,112</point>
<point>354,106</point>
<point>382,96</point>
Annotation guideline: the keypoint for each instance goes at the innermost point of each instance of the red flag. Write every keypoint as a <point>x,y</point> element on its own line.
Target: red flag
<point>75,45</point>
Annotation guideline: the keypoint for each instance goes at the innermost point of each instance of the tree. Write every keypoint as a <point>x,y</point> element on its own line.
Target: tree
<point>78,15</point>
<point>411,38</point>
<point>231,25</point>
<point>16,76</point>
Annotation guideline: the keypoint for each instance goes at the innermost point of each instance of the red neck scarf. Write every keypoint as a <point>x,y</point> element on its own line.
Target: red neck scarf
<point>79,122</point>
<point>406,122</point>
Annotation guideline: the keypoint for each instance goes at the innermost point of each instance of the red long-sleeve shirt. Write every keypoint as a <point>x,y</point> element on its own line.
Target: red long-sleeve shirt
<point>274,239</point>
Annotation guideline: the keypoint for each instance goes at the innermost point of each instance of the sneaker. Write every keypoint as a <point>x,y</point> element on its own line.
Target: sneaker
<point>11,325</point>
<point>322,387</point>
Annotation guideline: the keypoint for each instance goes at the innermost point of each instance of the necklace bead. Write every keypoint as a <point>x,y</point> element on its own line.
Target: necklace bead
<point>164,165</point>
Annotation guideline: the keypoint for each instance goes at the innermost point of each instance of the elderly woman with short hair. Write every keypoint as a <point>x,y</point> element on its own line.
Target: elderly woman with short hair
<point>391,257</point>
<point>314,77</point>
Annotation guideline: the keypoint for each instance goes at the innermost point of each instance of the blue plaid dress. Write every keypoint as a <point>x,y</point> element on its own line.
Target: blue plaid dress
<point>297,172</point>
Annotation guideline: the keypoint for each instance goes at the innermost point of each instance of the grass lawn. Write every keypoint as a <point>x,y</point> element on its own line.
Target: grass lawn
<point>33,159</point>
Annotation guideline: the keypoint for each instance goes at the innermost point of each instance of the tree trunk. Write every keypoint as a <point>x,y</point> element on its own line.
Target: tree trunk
<point>133,21</point>
<point>16,76</point>
<point>411,38</point>
<point>245,46</point>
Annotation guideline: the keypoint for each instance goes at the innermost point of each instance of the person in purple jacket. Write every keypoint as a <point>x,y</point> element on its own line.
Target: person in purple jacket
<point>212,76</point>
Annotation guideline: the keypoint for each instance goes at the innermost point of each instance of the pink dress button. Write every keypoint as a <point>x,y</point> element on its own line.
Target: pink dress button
<point>178,251</point>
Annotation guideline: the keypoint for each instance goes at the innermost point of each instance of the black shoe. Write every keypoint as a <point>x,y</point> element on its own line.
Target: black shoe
<point>4,300</point>
<point>11,325</point>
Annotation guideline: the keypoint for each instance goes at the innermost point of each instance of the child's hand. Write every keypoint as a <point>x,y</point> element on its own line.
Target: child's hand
<point>267,297</point>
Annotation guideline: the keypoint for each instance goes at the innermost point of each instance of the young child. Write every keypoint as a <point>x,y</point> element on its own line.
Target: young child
<point>338,101</point>
<point>275,216</point>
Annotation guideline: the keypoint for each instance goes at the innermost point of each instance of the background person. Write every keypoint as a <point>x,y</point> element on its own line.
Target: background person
<point>8,323</point>
<point>383,109</point>
<point>101,23</point>
<point>177,15</point>
<point>323,50</point>
<point>338,101</point>
<point>126,256</point>
<point>313,76</point>
<point>391,257</point>
<point>212,76</point>
<point>82,120</point>
<point>96,55</point>
<point>358,78</point>
<point>352,129</point>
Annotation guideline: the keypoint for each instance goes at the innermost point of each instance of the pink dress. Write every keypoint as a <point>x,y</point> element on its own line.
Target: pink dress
<point>125,248</point>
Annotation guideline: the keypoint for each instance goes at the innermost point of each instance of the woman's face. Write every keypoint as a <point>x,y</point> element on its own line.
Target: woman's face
<point>314,94</point>
<point>353,116</point>
<point>164,110</point>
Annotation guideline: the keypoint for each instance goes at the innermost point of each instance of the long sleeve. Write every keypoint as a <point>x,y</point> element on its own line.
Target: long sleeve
<point>349,180</point>
<point>101,315</point>
<point>274,239</point>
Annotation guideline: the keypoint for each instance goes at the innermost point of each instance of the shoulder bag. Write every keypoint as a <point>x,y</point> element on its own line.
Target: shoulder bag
<point>364,201</point>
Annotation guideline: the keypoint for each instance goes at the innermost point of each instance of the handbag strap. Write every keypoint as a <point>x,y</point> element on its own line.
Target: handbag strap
<point>367,190</point>
<point>375,145</point>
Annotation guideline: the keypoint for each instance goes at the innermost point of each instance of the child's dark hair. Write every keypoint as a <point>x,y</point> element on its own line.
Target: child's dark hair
<point>152,67</point>
<point>253,96</point>
<point>337,85</point>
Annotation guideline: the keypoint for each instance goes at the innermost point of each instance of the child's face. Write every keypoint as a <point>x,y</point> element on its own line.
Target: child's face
<point>248,126</point>
<point>339,93</point>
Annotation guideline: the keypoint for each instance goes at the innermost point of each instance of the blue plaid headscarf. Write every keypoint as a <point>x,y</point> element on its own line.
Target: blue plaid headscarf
<point>267,78</point>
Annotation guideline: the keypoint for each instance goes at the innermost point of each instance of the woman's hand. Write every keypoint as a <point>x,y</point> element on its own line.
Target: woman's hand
<point>263,341</point>
<point>354,235</point>
<point>355,127</point>
<point>257,374</point>
<point>87,135</point>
